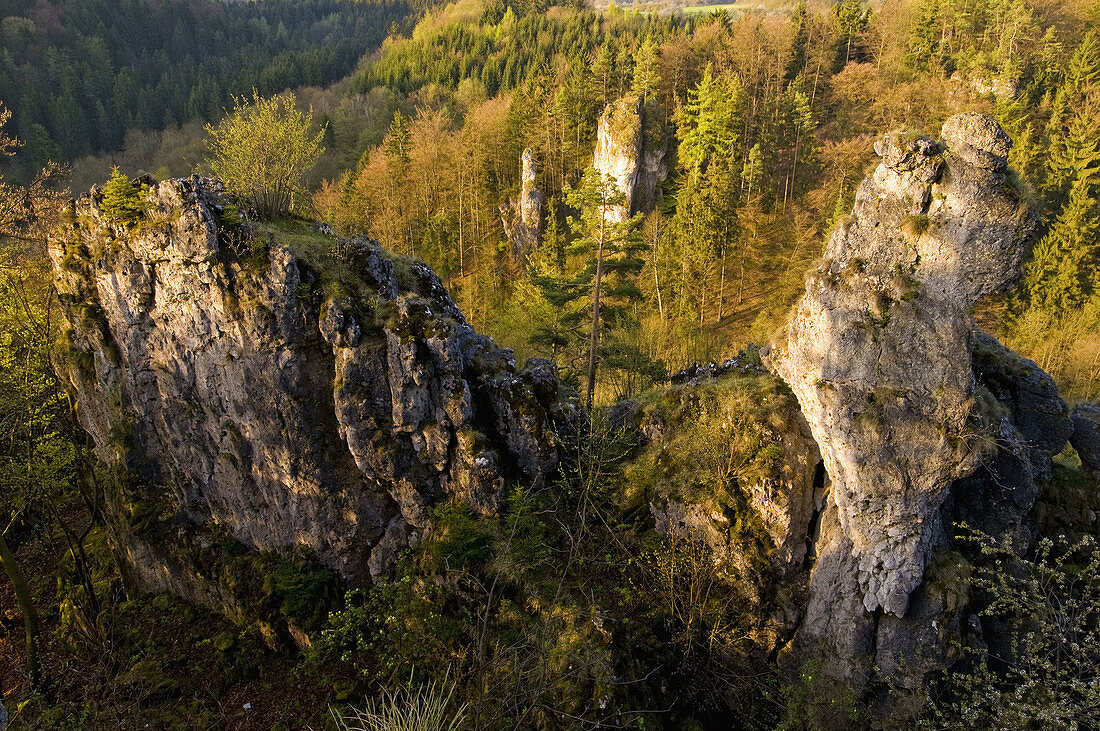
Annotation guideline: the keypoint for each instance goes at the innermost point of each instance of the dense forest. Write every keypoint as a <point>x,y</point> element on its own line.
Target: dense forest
<point>79,75</point>
<point>765,120</point>
<point>770,119</point>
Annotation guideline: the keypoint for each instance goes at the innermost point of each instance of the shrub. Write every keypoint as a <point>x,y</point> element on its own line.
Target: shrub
<point>123,199</point>
<point>262,149</point>
<point>1045,674</point>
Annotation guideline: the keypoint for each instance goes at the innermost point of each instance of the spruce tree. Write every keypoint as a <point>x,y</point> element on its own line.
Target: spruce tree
<point>646,69</point>
<point>1062,273</point>
<point>1074,128</point>
<point>610,247</point>
<point>123,199</point>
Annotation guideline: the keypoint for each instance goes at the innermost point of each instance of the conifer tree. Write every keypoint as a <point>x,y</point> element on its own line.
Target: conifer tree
<point>1074,130</point>
<point>646,69</point>
<point>397,138</point>
<point>611,247</point>
<point>851,20</point>
<point>1063,269</point>
<point>709,124</point>
<point>123,201</point>
<point>603,67</point>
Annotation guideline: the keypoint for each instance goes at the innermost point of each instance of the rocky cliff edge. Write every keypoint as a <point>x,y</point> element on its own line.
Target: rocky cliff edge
<point>283,387</point>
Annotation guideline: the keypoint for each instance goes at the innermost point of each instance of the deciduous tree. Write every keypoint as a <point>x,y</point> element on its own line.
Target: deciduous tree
<point>262,150</point>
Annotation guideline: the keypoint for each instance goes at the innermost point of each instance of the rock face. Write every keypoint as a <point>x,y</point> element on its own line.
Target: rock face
<point>324,397</point>
<point>878,350</point>
<point>726,461</point>
<point>523,220</point>
<point>1086,434</point>
<point>631,147</point>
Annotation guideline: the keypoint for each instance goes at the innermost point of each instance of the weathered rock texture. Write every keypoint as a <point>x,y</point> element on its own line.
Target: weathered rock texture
<point>1086,434</point>
<point>523,219</point>
<point>631,147</point>
<point>726,461</point>
<point>326,404</point>
<point>878,350</point>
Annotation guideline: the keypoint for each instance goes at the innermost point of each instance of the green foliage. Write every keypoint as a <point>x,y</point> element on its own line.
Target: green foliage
<point>427,708</point>
<point>716,440</point>
<point>646,69</point>
<point>123,199</point>
<point>606,236</point>
<point>1044,673</point>
<point>262,150</point>
<point>90,74</point>
<point>533,614</point>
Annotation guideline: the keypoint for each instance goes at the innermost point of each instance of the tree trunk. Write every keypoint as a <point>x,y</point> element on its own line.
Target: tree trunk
<point>657,288</point>
<point>594,336</point>
<point>26,605</point>
<point>722,286</point>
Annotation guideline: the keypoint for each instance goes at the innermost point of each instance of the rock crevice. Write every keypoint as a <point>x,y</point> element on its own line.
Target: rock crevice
<point>241,385</point>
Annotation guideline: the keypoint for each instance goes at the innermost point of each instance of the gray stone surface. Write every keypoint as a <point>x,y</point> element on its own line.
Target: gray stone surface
<point>238,393</point>
<point>878,350</point>
<point>632,149</point>
<point>522,219</point>
<point>1086,434</point>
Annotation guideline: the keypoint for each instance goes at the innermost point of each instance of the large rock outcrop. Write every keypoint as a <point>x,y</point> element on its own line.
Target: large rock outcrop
<point>320,394</point>
<point>522,219</point>
<point>631,147</point>
<point>879,349</point>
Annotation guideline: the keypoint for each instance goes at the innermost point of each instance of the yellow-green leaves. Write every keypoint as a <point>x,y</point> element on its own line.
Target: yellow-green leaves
<point>262,149</point>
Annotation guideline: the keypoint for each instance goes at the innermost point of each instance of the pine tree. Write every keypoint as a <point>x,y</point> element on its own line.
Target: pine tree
<point>646,69</point>
<point>709,122</point>
<point>709,125</point>
<point>611,247</point>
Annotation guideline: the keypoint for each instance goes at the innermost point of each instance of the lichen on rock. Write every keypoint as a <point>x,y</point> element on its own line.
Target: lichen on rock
<point>239,383</point>
<point>878,350</point>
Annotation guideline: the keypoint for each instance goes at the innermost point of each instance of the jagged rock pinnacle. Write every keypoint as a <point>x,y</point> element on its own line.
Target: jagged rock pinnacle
<point>878,350</point>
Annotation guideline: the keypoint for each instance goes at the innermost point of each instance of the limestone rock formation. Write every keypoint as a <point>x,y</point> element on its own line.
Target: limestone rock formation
<point>1086,434</point>
<point>727,461</point>
<point>631,147</point>
<point>878,350</point>
<point>523,219</point>
<point>323,396</point>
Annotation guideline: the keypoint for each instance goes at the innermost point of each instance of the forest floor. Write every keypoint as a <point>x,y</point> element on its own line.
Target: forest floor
<point>155,665</point>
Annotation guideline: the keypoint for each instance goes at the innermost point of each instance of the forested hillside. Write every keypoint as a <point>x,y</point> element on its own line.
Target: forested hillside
<point>78,75</point>
<point>770,118</point>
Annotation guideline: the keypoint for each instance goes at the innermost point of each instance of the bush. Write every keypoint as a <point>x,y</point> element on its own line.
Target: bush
<point>262,149</point>
<point>1045,675</point>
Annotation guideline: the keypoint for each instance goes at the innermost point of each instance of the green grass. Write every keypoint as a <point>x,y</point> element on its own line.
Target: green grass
<point>742,7</point>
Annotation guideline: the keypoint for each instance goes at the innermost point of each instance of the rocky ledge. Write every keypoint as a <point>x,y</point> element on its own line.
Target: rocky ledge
<point>284,388</point>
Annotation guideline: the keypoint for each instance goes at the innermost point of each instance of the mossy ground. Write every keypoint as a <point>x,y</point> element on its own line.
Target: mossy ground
<point>158,663</point>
